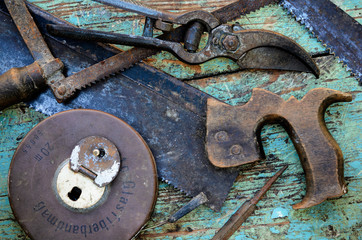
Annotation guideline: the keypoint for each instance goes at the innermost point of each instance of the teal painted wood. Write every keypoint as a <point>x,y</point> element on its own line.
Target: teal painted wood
<point>274,219</point>
<point>15,122</point>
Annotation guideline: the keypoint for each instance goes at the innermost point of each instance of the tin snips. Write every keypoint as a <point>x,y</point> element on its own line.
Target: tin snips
<point>250,48</point>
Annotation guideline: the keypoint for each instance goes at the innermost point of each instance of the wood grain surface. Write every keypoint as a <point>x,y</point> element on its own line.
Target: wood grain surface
<point>274,218</point>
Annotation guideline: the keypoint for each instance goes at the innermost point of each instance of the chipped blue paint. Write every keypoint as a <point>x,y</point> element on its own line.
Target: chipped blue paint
<point>356,165</point>
<point>280,213</point>
<point>242,236</point>
<point>274,230</point>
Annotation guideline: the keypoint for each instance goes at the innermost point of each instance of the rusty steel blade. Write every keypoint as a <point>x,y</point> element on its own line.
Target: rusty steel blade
<point>124,60</point>
<point>29,31</point>
<point>339,31</point>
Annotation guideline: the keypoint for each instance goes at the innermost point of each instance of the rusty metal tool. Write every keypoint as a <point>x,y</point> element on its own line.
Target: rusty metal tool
<point>340,32</point>
<point>248,207</point>
<point>50,201</point>
<point>223,41</point>
<point>194,203</point>
<point>233,137</point>
<point>259,48</point>
<point>19,84</point>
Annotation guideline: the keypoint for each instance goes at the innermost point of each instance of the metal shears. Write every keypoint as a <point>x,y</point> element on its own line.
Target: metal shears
<point>266,49</point>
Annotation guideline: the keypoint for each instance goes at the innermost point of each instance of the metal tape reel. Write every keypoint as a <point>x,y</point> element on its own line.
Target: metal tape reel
<point>41,181</point>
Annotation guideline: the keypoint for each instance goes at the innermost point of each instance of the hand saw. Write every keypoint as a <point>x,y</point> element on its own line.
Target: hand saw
<point>340,32</point>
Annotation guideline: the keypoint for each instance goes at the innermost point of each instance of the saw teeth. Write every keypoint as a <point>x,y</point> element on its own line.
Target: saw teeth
<point>88,84</point>
<point>289,8</point>
<point>256,10</point>
<point>187,193</point>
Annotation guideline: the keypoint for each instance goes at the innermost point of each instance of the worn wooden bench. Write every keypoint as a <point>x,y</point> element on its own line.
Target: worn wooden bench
<point>274,218</point>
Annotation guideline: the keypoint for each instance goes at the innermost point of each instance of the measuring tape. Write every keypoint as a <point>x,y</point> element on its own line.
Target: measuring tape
<point>82,174</point>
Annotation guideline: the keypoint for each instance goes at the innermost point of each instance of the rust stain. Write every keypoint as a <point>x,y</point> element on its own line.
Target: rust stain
<point>173,234</point>
<point>149,60</point>
<point>274,77</point>
<point>270,20</point>
<point>203,83</point>
<point>292,90</point>
<point>266,225</point>
<point>240,178</point>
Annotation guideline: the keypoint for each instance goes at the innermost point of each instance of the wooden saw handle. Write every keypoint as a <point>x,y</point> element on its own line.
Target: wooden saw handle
<point>233,137</point>
<point>19,84</point>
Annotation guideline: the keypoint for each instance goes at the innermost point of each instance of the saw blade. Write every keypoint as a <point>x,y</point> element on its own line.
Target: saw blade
<point>339,31</point>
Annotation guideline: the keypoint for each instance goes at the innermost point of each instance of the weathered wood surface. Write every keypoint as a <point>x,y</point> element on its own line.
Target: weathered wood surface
<point>274,219</point>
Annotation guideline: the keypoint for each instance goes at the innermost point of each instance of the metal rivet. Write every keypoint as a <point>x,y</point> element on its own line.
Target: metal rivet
<point>230,42</point>
<point>99,152</point>
<point>236,150</point>
<point>61,90</point>
<point>221,136</point>
<point>96,152</point>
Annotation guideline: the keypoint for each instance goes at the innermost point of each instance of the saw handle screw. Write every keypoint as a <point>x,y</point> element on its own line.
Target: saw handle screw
<point>221,136</point>
<point>236,150</point>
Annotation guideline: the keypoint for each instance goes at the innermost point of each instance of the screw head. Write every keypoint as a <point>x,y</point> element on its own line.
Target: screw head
<point>236,150</point>
<point>221,136</point>
<point>230,43</point>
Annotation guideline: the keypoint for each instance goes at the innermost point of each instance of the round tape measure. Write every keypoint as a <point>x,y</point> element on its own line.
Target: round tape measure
<point>82,174</point>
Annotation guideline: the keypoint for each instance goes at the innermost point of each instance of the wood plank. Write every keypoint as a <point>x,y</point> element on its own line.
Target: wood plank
<point>274,219</point>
